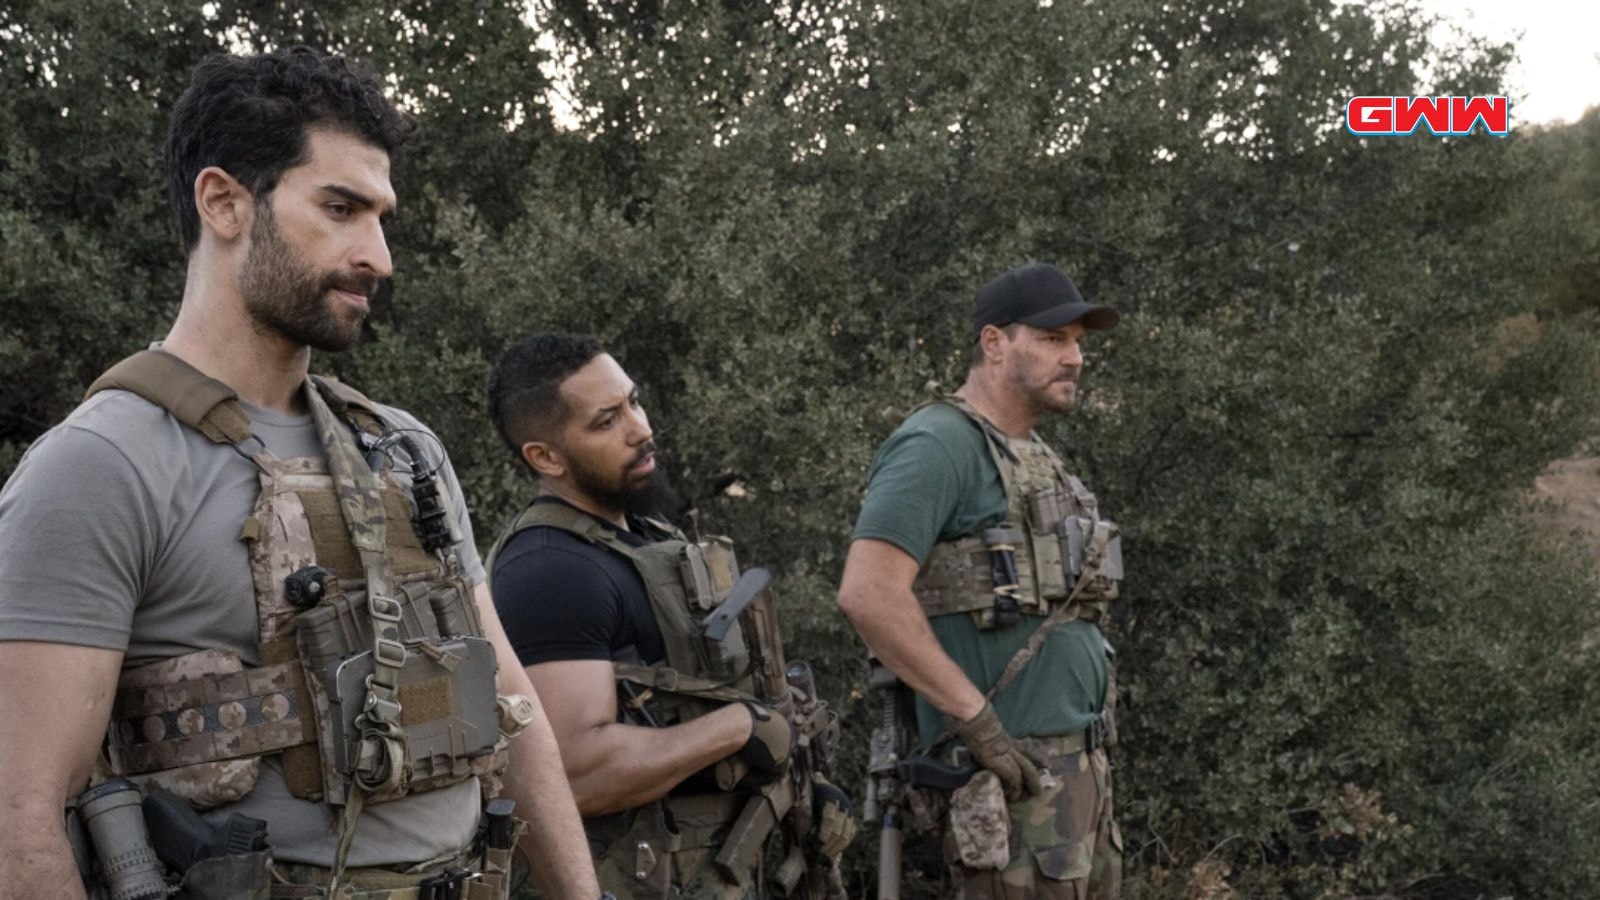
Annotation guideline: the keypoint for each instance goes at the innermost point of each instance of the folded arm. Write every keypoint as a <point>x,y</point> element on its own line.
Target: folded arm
<point>616,765</point>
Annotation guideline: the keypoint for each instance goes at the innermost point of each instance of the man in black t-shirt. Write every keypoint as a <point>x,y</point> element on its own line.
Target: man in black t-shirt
<point>570,591</point>
<point>563,598</point>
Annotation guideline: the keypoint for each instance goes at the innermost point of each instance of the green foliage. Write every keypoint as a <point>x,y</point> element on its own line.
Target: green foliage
<point>1351,668</point>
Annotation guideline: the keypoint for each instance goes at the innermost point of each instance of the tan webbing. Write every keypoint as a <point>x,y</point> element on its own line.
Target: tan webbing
<point>192,397</point>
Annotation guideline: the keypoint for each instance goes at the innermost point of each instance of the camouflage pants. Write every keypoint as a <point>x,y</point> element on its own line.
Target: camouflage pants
<point>1064,843</point>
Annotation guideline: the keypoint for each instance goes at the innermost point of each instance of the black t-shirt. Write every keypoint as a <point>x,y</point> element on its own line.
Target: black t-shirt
<point>561,597</point>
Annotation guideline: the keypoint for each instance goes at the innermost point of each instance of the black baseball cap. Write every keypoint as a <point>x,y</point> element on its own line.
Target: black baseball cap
<point>1040,295</point>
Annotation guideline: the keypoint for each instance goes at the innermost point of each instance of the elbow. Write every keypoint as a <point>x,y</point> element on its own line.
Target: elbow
<point>589,797</point>
<point>597,795</point>
<point>856,602</point>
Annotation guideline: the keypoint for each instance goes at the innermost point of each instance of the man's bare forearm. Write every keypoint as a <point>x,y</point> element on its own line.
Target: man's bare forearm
<point>57,699</point>
<point>35,858</point>
<point>875,595</point>
<point>618,766</point>
<point>909,648</point>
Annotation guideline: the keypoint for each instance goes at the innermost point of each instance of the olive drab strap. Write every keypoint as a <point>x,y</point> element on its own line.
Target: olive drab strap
<point>198,401</point>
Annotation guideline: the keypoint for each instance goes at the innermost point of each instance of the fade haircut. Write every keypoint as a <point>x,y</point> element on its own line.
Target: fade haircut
<point>525,386</point>
<point>249,116</point>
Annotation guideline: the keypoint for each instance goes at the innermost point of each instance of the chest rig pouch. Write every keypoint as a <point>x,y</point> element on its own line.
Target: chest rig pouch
<point>375,680</point>
<point>1063,550</point>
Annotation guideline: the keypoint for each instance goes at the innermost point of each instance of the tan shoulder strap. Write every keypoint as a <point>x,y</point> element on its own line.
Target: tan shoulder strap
<point>581,524</point>
<point>193,398</point>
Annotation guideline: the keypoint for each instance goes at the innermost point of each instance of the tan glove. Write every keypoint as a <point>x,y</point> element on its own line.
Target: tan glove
<point>771,741</point>
<point>993,749</point>
<point>831,808</point>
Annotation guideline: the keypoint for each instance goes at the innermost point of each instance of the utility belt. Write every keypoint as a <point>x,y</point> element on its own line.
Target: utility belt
<point>1100,735</point>
<point>133,846</point>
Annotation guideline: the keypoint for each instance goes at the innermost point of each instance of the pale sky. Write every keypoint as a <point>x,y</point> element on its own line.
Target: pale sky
<point>1557,69</point>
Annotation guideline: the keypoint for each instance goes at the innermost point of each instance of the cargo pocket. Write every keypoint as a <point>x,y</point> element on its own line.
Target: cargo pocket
<point>980,823</point>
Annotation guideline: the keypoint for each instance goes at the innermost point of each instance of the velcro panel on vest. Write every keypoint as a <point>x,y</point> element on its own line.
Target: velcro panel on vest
<point>191,709</point>
<point>331,537</point>
<point>955,579</point>
<point>195,399</point>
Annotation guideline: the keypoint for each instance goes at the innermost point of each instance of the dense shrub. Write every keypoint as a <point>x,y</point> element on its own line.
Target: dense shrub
<point>1350,667</point>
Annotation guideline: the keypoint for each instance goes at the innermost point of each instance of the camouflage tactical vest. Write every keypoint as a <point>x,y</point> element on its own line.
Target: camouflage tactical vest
<point>656,850</point>
<point>378,685</point>
<point>1052,524</point>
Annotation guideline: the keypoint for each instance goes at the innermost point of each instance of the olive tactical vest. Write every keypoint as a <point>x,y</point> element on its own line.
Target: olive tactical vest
<point>378,684</point>
<point>1063,549</point>
<point>655,849</point>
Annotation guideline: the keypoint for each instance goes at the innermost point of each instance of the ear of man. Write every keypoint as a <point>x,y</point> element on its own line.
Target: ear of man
<point>225,207</point>
<point>546,459</point>
<point>992,341</point>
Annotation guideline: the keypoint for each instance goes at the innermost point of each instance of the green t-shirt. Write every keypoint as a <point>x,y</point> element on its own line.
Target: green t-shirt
<point>933,480</point>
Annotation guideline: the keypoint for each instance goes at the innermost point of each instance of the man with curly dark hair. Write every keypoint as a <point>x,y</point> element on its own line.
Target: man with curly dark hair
<point>265,583</point>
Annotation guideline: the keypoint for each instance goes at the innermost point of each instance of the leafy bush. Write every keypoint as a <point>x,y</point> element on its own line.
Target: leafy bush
<point>1351,668</point>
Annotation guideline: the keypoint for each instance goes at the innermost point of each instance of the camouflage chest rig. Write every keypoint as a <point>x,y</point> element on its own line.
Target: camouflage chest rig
<point>1068,559</point>
<point>654,851</point>
<point>375,680</point>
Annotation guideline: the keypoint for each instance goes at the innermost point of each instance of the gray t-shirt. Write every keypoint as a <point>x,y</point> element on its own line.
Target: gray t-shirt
<point>120,529</point>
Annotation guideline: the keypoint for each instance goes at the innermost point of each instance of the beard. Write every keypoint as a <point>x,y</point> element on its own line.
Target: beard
<point>651,495</point>
<point>1044,397</point>
<point>283,296</point>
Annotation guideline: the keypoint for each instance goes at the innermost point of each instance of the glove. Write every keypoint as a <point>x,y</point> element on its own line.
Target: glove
<point>835,827</point>
<point>993,749</point>
<point>771,741</point>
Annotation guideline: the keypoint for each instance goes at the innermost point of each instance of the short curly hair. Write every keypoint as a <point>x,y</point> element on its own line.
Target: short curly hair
<point>525,385</point>
<point>248,115</point>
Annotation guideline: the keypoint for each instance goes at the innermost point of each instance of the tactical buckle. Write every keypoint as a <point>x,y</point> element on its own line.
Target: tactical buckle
<point>380,706</point>
<point>446,885</point>
<point>388,653</point>
<point>1094,737</point>
<point>385,608</point>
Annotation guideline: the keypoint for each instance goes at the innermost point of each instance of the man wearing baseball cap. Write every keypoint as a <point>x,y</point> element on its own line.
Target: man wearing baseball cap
<point>980,573</point>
